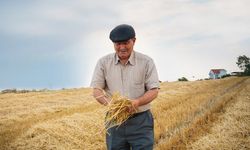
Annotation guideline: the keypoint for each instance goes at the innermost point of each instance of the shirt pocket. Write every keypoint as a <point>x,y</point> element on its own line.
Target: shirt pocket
<point>138,81</point>
<point>138,89</point>
<point>138,85</point>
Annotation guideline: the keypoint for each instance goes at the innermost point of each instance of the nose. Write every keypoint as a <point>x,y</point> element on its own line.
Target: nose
<point>122,46</point>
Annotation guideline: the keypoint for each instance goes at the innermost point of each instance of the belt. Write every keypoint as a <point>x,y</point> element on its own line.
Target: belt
<point>138,114</point>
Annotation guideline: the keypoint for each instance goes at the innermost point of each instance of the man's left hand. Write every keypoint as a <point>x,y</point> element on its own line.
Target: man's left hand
<point>134,106</point>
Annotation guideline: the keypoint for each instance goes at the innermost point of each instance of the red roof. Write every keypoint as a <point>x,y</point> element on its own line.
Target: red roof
<point>216,71</point>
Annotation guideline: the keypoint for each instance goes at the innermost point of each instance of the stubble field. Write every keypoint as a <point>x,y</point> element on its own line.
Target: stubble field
<point>211,114</point>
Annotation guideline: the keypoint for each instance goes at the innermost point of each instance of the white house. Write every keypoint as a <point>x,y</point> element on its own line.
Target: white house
<point>236,73</point>
<point>217,73</point>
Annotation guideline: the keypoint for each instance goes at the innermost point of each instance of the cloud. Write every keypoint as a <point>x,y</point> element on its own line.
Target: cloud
<point>46,18</point>
<point>184,37</point>
<point>195,36</point>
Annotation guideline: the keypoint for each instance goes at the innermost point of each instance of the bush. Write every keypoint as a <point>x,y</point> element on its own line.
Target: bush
<point>17,91</point>
<point>183,79</point>
<point>9,91</point>
<point>227,75</point>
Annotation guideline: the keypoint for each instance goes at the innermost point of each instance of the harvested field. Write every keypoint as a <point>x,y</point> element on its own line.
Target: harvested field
<point>188,115</point>
<point>232,128</point>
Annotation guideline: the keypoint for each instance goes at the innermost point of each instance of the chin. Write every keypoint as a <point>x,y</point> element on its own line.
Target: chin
<point>124,57</point>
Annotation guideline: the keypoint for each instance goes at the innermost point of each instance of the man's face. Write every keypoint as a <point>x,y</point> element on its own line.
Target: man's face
<point>124,49</point>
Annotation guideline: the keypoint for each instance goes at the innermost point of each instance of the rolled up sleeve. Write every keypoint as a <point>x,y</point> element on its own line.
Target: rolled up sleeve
<point>151,80</point>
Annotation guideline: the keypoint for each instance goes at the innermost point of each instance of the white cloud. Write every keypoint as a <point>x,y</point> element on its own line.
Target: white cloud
<point>190,38</point>
<point>184,37</point>
<point>90,48</point>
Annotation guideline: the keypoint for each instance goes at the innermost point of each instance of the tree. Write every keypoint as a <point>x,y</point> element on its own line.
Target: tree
<point>243,63</point>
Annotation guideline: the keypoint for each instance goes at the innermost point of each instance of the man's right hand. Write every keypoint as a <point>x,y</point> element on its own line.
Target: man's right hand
<point>100,96</point>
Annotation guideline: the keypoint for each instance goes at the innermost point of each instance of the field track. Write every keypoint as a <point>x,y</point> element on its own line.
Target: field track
<point>231,129</point>
<point>189,129</point>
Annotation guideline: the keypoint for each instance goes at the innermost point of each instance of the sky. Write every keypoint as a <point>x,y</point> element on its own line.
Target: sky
<point>56,44</point>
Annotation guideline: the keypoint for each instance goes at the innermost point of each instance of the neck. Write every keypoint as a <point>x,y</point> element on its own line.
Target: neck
<point>123,61</point>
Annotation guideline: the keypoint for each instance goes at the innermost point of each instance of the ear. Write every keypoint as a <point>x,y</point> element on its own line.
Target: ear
<point>134,39</point>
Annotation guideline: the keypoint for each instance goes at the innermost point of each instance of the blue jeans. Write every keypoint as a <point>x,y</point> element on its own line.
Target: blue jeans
<point>137,133</point>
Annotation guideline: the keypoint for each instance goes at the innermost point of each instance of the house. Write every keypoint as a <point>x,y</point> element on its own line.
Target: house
<point>217,73</point>
<point>236,73</point>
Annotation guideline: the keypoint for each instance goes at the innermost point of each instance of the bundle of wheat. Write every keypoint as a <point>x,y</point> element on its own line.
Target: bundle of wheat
<point>117,112</point>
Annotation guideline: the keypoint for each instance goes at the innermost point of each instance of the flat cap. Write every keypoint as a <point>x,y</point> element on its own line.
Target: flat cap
<point>122,32</point>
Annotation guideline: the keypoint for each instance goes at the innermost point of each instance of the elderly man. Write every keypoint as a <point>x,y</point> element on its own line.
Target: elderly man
<point>133,75</point>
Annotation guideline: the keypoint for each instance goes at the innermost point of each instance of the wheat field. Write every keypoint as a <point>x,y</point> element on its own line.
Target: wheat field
<point>210,114</point>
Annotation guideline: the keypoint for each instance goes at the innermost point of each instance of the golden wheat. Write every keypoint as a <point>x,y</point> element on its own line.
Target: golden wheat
<point>117,112</point>
<point>72,119</point>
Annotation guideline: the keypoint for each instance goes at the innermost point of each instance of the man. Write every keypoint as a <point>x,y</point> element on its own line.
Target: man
<point>133,75</point>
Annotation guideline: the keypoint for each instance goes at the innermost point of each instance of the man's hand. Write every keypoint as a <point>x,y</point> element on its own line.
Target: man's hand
<point>134,106</point>
<point>100,96</point>
<point>145,99</point>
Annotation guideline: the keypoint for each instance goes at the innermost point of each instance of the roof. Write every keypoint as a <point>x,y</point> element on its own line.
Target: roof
<point>217,71</point>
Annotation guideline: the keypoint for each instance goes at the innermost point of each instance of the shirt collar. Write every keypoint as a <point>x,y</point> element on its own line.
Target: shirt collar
<point>131,59</point>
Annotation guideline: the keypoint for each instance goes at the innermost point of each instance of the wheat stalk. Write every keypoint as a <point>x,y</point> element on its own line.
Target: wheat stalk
<point>117,111</point>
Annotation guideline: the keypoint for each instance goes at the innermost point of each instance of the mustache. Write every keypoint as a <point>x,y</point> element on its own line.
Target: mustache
<point>124,49</point>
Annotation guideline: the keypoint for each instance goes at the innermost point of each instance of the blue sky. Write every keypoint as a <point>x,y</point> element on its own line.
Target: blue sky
<point>56,44</point>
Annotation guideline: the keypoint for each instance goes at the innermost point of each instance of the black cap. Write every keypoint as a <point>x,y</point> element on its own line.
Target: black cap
<point>122,32</point>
